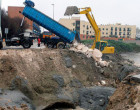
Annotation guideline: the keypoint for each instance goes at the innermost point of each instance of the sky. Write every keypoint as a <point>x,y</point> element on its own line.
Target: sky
<point>104,11</point>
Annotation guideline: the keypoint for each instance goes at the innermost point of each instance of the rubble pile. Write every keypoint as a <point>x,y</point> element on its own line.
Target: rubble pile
<point>127,95</point>
<point>95,54</point>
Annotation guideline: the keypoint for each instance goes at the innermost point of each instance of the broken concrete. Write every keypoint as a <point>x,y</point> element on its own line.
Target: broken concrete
<point>95,54</point>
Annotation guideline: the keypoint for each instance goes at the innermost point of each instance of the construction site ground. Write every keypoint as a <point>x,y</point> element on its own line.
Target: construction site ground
<point>43,79</point>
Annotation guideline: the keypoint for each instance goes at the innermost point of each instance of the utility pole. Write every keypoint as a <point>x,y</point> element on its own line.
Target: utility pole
<point>53,10</point>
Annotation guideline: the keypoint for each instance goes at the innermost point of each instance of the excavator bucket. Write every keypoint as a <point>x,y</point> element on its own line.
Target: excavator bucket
<point>71,10</point>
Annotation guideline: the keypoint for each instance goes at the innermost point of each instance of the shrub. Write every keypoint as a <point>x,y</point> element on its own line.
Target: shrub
<point>119,45</point>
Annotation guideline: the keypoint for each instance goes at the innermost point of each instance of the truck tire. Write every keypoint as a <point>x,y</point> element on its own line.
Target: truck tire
<point>1,46</point>
<point>26,44</point>
<point>60,45</point>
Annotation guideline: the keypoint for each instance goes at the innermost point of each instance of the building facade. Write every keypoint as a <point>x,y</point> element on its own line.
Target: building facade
<point>110,31</point>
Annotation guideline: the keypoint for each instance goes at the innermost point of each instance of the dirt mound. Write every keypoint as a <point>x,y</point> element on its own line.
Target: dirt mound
<point>126,97</point>
<point>46,76</point>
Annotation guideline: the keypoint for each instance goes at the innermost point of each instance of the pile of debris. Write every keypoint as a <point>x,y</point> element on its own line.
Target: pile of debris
<point>127,95</point>
<point>95,54</point>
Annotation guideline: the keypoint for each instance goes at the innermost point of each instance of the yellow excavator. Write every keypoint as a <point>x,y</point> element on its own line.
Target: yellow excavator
<point>101,45</point>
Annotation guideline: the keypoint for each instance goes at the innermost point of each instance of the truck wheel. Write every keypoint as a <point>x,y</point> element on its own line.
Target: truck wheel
<point>26,44</point>
<point>1,46</point>
<point>60,45</point>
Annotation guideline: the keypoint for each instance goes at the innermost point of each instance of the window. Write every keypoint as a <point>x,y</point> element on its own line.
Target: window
<point>111,33</point>
<point>120,33</point>
<point>87,32</point>
<point>128,33</point>
<point>115,33</point>
<point>78,25</point>
<point>83,31</point>
<point>106,33</point>
<point>83,25</point>
<point>90,31</point>
<point>124,29</point>
<point>116,29</point>
<point>111,28</point>
<point>120,29</point>
<point>107,29</point>
<point>128,29</point>
<point>90,26</point>
<point>102,32</point>
<point>87,27</point>
<point>103,29</point>
<point>73,24</point>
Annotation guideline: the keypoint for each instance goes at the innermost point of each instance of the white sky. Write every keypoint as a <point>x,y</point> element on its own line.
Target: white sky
<point>104,11</point>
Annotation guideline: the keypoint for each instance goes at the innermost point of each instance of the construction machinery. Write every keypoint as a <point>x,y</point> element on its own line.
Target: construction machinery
<point>65,34</point>
<point>101,45</point>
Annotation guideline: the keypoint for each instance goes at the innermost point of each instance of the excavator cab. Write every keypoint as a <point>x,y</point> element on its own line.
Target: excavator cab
<point>103,47</point>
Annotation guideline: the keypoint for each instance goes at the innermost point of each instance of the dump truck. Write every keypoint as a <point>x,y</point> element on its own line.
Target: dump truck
<point>65,34</point>
<point>100,45</point>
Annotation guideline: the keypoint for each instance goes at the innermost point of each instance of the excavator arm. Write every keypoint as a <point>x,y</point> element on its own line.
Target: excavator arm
<point>101,45</point>
<point>90,17</point>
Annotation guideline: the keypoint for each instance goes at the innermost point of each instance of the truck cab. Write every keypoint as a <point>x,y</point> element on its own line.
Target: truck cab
<point>20,40</point>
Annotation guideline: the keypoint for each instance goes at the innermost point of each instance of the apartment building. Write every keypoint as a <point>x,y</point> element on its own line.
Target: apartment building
<point>108,31</point>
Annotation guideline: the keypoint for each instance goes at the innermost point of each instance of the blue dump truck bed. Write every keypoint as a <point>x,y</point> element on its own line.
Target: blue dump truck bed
<point>49,24</point>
